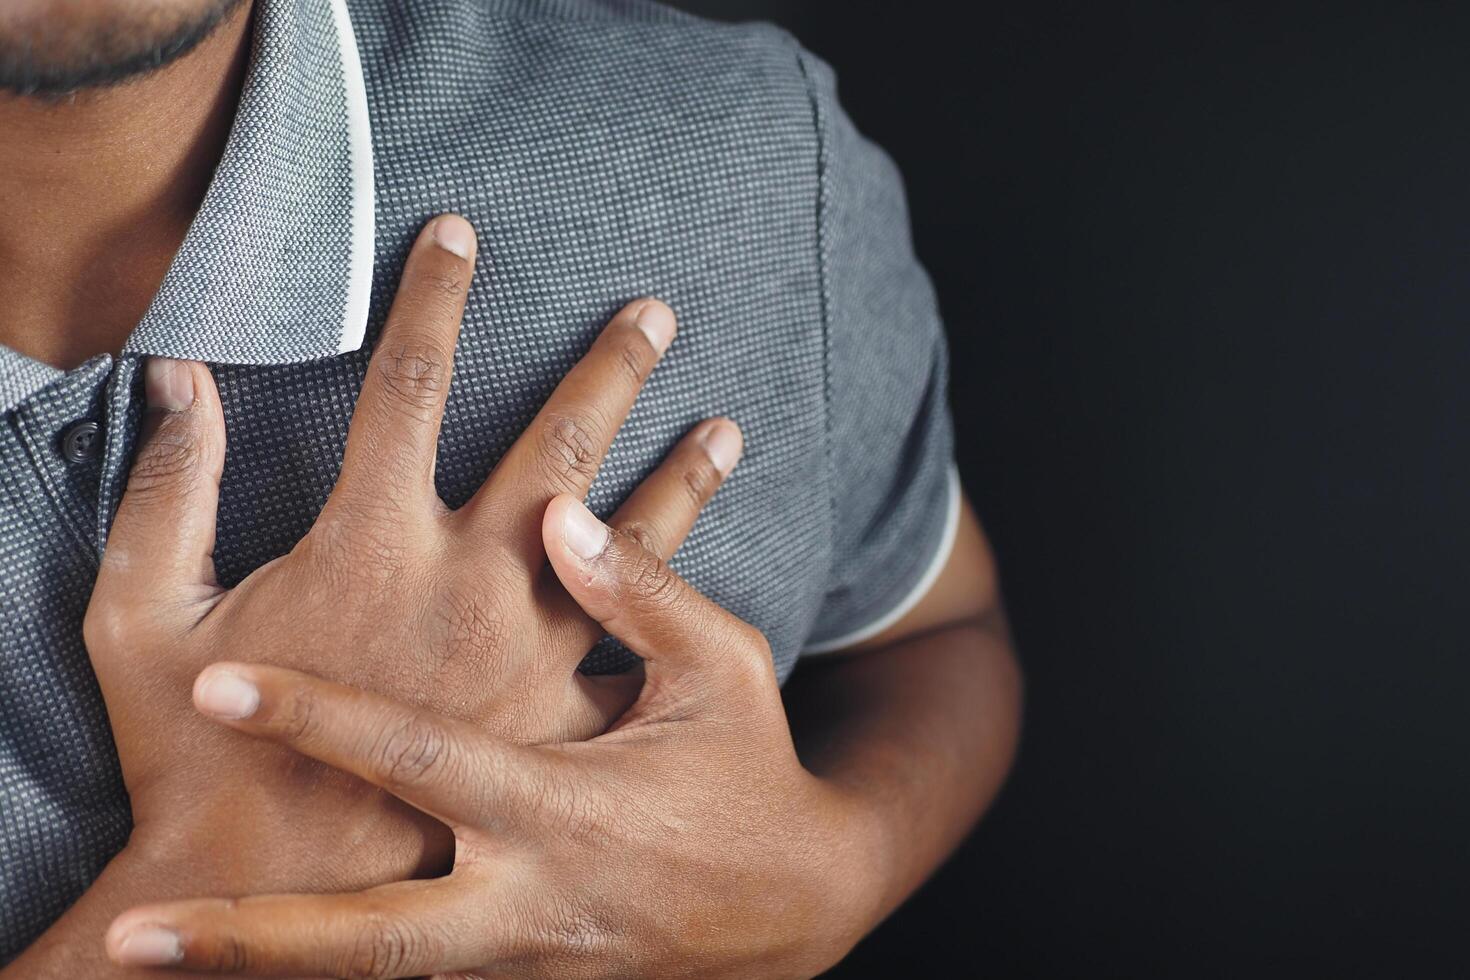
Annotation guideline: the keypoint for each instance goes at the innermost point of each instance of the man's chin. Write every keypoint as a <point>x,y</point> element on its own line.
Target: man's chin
<point>52,48</point>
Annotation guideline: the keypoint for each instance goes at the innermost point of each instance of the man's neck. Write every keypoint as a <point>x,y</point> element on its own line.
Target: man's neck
<point>97,191</point>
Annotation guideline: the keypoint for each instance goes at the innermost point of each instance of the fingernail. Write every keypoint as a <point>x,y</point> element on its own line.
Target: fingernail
<point>226,695</point>
<point>723,444</point>
<point>583,533</point>
<point>657,323</point>
<point>149,946</point>
<point>454,234</point>
<point>168,384</point>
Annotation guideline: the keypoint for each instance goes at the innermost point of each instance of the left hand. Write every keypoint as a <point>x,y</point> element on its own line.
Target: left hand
<point>688,840</point>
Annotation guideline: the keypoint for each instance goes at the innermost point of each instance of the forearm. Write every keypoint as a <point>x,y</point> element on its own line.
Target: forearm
<point>922,732</point>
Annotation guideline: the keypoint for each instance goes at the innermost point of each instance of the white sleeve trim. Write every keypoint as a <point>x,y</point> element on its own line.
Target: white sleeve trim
<point>360,142</point>
<point>921,587</point>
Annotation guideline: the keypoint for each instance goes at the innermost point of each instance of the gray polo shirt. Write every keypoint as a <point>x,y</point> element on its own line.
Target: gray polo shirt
<point>604,149</point>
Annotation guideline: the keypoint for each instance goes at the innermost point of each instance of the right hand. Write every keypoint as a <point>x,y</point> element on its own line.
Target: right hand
<point>390,591</point>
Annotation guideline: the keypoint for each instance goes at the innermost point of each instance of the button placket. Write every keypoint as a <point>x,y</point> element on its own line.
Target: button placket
<point>61,427</point>
<point>124,399</point>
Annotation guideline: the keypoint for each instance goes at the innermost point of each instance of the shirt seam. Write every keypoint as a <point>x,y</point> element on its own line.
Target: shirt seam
<point>929,573</point>
<point>823,204</point>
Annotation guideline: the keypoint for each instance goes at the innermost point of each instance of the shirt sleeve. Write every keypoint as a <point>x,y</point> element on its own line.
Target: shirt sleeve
<point>895,489</point>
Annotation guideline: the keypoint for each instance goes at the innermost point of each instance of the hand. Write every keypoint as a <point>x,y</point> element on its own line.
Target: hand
<point>688,840</point>
<point>390,590</point>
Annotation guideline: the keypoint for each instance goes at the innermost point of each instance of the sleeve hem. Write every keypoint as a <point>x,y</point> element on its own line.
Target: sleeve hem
<point>920,588</point>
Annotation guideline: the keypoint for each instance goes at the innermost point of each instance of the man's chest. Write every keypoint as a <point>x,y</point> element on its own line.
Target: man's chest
<point>761,546</point>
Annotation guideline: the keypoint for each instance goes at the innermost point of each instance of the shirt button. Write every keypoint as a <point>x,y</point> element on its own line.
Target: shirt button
<point>81,442</point>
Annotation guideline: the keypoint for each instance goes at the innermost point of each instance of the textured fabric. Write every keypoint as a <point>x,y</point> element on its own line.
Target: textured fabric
<point>887,380</point>
<point>262,275</point>
<point>604,151</point>
<point>21,377</point>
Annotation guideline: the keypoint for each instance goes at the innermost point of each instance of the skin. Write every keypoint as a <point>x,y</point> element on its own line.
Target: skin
<point>386,569</point>
<point>709,829</point>
<point>53,48</point>
<point>98,189</point>
<point>680,836</point>
<point>585,859</point>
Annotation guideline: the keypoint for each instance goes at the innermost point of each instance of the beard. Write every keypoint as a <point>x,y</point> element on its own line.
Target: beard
<point>70,45</point>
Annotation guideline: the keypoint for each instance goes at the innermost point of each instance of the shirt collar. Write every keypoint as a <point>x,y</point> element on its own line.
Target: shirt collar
<point>21,377</point>
<point>277,265</point>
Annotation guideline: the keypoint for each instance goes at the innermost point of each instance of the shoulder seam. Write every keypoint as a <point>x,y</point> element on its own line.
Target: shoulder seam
<point>823,202</point>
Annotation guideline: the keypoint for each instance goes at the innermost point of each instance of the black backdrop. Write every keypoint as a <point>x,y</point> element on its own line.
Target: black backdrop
<point>1206,270</point>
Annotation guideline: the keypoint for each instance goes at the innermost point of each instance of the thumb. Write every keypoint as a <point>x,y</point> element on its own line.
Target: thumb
<point>639,599</point>
<point>162,541</point>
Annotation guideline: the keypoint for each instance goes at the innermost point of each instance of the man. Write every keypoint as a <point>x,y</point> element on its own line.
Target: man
<point>247,197</point>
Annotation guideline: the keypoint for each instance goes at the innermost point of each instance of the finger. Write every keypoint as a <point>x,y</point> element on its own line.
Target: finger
<point>395,427</point>
<point>662,510</point>
<point>405,929</point>
<point>637,598</point>
<point>161,543</point>
<point>562,449</point>
<point>660,513</point>
<point>448,768</point>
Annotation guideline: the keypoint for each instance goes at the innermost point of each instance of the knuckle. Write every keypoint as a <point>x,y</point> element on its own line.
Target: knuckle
<point>643,533</point>
<point>633,356</point>
<point>117,624</point>
<point>650,580</point>
<point>755,641</point>
<point>438,293</point>
<point>590,820</point>
<point>569,449</point>
<point>447,283</point>
<point>385,947</point>
<point>414,373</point>
<point>168,463</point>
<point>302,718</point>
<point>576,817</point>
<point>700,480</point>
<point>329,545</point>
<point>749,656</point>
<point>110,626</point>
<point>411,753</point>
<point>360,541</point>
<point>229,955</point>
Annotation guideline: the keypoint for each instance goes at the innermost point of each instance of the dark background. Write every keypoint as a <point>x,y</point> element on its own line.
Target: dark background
<point>1206,270</point>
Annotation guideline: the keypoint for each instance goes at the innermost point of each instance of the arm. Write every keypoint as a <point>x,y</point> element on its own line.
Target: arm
<point>922,720</point>
<point>461,630</point>
<point>919,722</point>
<point>687,841</point>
